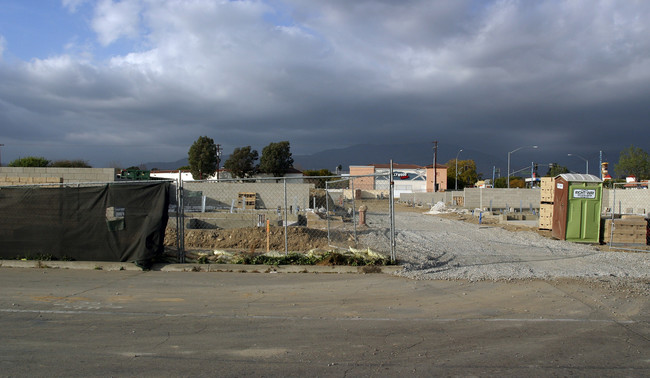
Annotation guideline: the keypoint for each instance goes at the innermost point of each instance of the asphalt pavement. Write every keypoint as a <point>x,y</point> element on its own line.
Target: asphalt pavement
<point>66,322</point>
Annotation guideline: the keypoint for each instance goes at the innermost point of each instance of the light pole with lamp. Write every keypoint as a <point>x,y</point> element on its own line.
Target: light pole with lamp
<point>459,151</point>
<point>586,162</point>
<point>511,152</point>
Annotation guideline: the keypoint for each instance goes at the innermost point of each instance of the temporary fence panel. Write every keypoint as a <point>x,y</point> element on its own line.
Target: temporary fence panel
<point>244,216</point>
<point>341,213</point>
<point>627,223</point>
<point>278,215</point>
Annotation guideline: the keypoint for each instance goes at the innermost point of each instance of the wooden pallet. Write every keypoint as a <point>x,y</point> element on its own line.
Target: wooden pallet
<point>247,200</point>
<point>547,189</point>
<point>545,216</point>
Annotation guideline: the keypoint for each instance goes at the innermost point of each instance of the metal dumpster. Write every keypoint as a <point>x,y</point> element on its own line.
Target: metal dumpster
<point>577,207</point>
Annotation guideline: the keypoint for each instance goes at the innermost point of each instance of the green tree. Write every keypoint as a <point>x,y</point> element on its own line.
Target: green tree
<point>276,159</point>
<point>633,161</point>
<point>241,162</point>
<point>318,182</point>
<point>30,161</point>
<point>78,163</point>
<point>203,158</point>
<point>467,174</point>
<point>554,169</point>
<point>515,182</point>
<point>500,182</point>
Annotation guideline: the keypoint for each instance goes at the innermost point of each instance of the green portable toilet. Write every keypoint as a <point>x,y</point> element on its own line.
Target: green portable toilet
<point>577,207</point>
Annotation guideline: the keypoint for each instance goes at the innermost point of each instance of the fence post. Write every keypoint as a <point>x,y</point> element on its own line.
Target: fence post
<point>354,212</point>
<point>180,213</point>
<point>286,228</point>
<point>392,211</point>
<point>611,228</point>
<point>327,212</point>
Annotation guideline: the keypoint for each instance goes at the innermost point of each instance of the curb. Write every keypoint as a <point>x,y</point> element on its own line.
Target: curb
<point>238,268</point>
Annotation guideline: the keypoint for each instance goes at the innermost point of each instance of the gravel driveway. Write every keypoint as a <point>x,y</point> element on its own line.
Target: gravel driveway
<point>431,247</point>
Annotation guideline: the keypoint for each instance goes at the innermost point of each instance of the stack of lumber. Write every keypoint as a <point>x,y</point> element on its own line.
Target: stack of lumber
<point>627,230</point>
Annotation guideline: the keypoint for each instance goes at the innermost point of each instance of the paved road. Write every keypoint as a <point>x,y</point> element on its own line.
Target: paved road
<point>59,322</point>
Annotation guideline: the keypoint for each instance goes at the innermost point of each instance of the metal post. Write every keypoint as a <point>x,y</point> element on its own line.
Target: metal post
<point>181,215</point>
<point>508,182</point>
<point>459,151</point>
<point>494,171</point>
<point>511,152</point>
<point>611,228</point>
<point>392,212</point>
<point>354,212</point>
<point>327,212</point>
<point>435,171</point>
<point>286,228</point>
<point>600,164</point>
<point>586,162</point>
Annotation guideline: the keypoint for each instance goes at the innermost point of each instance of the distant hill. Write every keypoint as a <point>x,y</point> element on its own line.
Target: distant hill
<point>411,153</point>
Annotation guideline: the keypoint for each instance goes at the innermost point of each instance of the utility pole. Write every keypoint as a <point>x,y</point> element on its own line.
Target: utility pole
<point>218,159</point>
<point>1,155</point>
<point>435,162</point>
<point>600,163</point>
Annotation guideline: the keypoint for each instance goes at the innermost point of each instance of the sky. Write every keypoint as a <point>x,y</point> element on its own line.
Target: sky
<point>133,81</point>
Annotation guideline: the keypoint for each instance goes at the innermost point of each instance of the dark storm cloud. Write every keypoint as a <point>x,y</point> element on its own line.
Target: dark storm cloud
<point>570,76</point>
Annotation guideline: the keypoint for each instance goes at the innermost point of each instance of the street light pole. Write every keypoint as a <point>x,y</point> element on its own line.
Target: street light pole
<point>511,152</point>
<point>586,162</point>
<point>218,160</point>
<point>459,151</point>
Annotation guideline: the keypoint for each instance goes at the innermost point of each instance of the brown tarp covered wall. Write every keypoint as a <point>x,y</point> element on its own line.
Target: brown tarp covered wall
<point>111,222</point>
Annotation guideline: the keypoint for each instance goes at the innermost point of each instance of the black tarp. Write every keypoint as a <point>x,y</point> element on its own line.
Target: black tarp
<point>110,222</point>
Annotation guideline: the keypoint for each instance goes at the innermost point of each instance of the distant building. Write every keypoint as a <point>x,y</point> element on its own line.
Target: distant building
<point>408,178</point>
<point>292,175</point>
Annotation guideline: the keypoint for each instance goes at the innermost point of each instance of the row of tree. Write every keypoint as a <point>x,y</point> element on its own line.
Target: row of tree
<point>37,161</point>
<point>203,159</point>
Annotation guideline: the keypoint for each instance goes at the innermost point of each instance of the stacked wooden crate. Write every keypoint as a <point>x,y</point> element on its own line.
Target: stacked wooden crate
<point>547,194</point>
<point>627,230</point>
<point>247,200</point>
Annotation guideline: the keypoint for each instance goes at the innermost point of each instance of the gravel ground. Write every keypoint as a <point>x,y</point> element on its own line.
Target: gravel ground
<point>432,247</point>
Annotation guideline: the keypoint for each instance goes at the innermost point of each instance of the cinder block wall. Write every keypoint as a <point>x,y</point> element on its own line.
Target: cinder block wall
<point>66,175</point>
<point>269,195</point>
<point>502,198</point>
<point>429,198</point>
<point>480,198</point>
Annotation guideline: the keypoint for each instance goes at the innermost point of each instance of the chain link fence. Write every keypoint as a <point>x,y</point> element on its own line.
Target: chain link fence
<point>280,215</point>
<point>627,209</point>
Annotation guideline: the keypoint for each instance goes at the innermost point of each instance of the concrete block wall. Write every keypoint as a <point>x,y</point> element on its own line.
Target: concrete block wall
<point>502,198</point>
<point>39,175</point>
<point>13,181</point>
<point>479,198</point>
<point>429,198</point>
<point>269,195</point>
<point>365,194</point>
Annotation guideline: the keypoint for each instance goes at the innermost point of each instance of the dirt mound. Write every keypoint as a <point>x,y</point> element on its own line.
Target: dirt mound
<point>251,239</point>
